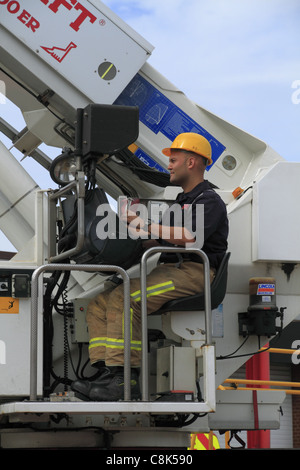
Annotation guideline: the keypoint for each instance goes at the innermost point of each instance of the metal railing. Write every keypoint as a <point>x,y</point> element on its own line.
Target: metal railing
<point>259,384</point>
<point>208,323</point>
<point>34,318</point>
<point>208,351</point>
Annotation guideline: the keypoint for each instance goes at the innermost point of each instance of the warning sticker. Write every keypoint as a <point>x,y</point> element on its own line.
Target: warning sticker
<point>9,305</point>
<point>266,289</point>
<point>160,114</point>
<point>144,157</point>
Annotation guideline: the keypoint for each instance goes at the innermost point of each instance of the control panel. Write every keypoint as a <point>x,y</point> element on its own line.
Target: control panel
<point>15,284</point>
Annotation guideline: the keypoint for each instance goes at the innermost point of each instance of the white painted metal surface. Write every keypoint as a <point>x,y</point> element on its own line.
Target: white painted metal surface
<point>81,28</point>
<point>17,201</point>
<point>264,230</point>
<point>276,230</point>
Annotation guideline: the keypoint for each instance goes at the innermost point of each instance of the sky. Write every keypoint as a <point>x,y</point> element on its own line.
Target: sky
<point>237,58</point>
<point>240,59</point>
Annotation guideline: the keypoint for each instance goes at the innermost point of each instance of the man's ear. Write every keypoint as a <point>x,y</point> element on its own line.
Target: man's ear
<point>191,162</point>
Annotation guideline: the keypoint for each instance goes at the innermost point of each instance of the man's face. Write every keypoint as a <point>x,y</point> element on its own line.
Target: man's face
<point>178,167</point>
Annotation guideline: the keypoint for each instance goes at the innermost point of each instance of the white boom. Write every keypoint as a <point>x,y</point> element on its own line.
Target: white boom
<point>57,56</point>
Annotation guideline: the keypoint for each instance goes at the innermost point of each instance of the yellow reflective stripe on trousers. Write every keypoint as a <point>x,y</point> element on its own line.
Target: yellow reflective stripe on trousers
<point>157,289</point>
<point>123,318</point>
<point>152,290</point>
<point>113,343</point>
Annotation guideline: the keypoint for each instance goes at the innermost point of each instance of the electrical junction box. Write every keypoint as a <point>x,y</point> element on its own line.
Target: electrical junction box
<point>259,323</point>
<point>21,285</point>
<point>16,284</point>
<point>176,369</point>
<point>79,329</point>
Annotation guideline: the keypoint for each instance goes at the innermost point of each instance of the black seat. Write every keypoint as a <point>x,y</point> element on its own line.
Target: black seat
<point>196,302</point>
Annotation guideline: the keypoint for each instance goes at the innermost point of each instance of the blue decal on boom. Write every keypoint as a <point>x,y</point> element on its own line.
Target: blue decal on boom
<point>160,114</point>
<point>144,157</point>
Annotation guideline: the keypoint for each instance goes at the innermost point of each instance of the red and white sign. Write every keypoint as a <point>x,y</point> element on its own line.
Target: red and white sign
<point>75,38</point>
<point>58,53</point>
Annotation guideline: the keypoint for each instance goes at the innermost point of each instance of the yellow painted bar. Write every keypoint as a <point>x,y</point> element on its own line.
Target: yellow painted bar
<point>288,392</point>
<point>280,351</point>
<point>263,382</point>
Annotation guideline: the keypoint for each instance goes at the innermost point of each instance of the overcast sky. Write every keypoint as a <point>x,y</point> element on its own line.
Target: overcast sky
<point>237,58</point>
<point>240,59</point>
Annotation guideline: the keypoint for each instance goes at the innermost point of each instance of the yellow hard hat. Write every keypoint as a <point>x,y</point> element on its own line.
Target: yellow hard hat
<point>191,142</point>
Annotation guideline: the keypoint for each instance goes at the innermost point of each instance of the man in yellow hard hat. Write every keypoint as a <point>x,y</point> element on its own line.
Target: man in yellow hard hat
<point>174,277</point>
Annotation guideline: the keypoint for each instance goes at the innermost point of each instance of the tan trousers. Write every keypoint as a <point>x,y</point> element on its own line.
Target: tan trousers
<point>105,316</point>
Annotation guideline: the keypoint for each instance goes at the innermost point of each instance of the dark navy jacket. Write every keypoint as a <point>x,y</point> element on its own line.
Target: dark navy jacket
<point>215,223</point>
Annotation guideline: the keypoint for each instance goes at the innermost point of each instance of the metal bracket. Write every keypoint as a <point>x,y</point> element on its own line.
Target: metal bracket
<point>79,186</point>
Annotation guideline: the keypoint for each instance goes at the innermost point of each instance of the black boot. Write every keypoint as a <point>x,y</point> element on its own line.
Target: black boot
<point>109,387</point>
<point>100,365</point>
<point>82,387</point>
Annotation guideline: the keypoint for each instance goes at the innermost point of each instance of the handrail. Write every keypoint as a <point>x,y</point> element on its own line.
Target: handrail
<point>209,403</point>
<point>207,305</point>
<point>288,392</point>
<point>279,350</point>
<point>34,318</point>
<point>260,382</point>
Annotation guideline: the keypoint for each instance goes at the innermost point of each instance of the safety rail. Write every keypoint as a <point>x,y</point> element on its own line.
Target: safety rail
<point>250,383</point>
<point>207,308</point>
<point>270,383</point>
<point>34,317</point>
<point>207,350</point>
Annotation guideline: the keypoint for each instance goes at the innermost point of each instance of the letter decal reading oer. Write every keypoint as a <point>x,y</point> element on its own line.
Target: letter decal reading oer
<point>14,8</point>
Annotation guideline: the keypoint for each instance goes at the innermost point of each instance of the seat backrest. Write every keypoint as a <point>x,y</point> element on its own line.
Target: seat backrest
<point>219,284</point>
<point>196,302</point>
